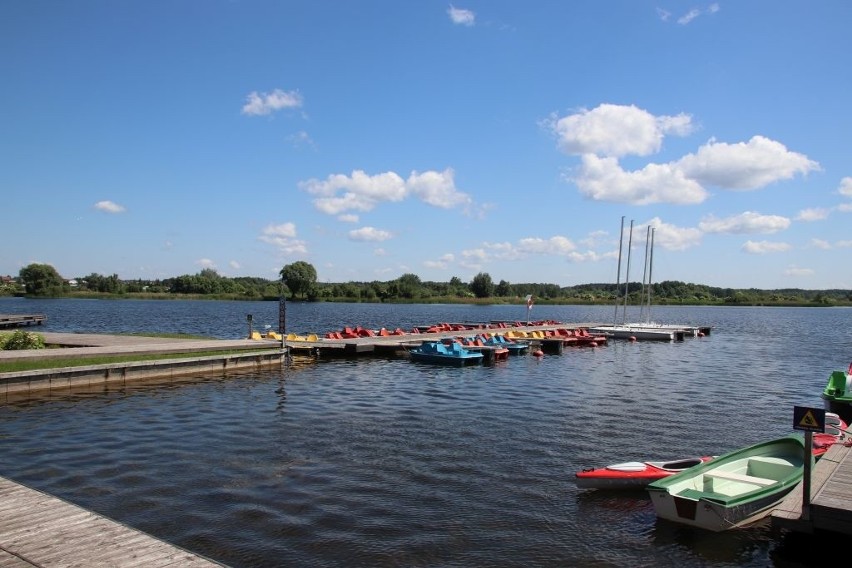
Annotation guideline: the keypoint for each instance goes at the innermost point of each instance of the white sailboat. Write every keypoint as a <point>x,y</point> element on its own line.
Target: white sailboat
<point>689,330</point>
<point>629,330</point>
<point>647,329</point>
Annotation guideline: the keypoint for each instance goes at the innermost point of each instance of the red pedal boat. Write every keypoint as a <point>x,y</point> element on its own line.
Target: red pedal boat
<point>634,474</point>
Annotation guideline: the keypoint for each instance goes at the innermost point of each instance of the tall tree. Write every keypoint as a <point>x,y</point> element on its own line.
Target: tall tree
<point>482,286</point>
<point>409,285</point>
<point>42,280</point>
<point>503,289</point>
<point>300,277</point>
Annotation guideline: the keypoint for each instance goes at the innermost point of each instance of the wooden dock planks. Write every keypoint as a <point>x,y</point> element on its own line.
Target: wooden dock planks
<point>831,497</point>
<point>20,320</point>
<point>37,529</point>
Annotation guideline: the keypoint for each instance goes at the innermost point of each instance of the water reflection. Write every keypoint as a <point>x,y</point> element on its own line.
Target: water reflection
<point>736,547</point>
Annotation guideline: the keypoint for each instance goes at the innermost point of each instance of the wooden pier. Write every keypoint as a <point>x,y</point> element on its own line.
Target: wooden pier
<point>37,529</point>
<point>545,336</point>
<point>398,345</point>
<point>21,320</point>
<point>830,497</point>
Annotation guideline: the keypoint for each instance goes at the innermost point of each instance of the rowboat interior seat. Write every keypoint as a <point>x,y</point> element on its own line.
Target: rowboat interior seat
<point>769,468</point>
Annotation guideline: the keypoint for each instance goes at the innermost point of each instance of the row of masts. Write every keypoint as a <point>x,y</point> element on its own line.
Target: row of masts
<point>645,302</point>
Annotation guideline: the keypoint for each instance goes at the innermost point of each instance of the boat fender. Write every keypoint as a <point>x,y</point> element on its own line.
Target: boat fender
<point>849,380</point>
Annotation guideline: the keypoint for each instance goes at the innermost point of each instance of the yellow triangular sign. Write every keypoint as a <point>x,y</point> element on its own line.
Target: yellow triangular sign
<point>808,420</point>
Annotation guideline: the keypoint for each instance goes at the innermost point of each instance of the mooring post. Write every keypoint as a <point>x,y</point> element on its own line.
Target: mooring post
<point>806,477</point>
<point>282,313</point>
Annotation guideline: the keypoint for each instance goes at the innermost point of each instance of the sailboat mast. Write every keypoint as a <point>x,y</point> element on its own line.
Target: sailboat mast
<point>618,274</point>
<point>627,274</point>
<point>644,275</point>
<point>650,270</point>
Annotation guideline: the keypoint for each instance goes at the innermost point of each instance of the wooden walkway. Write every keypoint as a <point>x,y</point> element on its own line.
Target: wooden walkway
<point>831,497</point>
<point>20,320</point>
<point>96,344</point>
<point>37,530</point>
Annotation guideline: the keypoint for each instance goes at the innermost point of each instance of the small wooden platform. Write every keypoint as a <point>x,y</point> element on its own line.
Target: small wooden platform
<point>831,497</point>
<point>20,320</point>
<point>37,529</point>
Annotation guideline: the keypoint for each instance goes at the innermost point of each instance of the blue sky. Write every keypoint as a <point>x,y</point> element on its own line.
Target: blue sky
<point>382,137</point>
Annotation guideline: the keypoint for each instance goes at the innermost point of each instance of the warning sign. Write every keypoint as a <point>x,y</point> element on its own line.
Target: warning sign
<point>808,419</point>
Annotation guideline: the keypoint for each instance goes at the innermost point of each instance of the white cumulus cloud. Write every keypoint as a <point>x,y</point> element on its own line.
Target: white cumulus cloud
<point>461,16</point>
<point>617,130</point>
<point>744,165</point>
<point>340,193</point>
<point>605,134</point>
<point>696,12</point>
<point>369,234</point>
<point>764,247</point>
<point>283,237</point>
<point>109,207</point>
<point>259,104</point>
<point>745,223</point>
<point>603,179</point>
<point>557,246</point>
<point>441,263</point>
<point>670,237</point>
<point>437,189</point>
<point>812,214</point>
<point>796,271</point>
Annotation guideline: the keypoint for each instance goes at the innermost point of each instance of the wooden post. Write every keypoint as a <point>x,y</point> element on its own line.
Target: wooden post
<point>282,314</point>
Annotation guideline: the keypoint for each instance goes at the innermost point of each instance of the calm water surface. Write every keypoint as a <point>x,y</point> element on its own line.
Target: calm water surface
<point>382,462</point>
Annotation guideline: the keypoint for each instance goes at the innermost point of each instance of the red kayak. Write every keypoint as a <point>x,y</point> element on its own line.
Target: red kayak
<point>633,475</point>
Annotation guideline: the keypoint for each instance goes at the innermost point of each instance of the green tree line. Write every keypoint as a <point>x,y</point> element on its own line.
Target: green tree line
<point>299,282</point>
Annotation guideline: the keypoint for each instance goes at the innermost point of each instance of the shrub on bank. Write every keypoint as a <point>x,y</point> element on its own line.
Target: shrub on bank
<point>21,340</point>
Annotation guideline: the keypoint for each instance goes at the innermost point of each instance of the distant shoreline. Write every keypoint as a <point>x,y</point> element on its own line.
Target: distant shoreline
<point>755,302</point>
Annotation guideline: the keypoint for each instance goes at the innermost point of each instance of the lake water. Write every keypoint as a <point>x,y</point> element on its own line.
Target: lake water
<point>385,463</point>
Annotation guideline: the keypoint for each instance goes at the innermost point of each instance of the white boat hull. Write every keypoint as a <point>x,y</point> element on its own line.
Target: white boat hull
<point>636,332</point>
<point>713,516</point>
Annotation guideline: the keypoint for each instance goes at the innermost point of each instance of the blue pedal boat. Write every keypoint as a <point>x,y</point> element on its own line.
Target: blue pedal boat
<point>448,352</point>
<point>515,347</point>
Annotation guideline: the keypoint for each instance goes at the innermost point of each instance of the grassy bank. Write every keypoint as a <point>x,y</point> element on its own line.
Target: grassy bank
<point>71,361</point>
